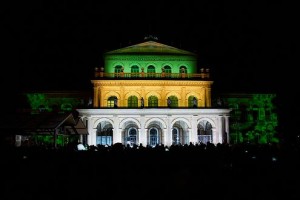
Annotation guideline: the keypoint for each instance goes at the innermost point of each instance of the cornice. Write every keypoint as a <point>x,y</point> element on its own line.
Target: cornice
<point>151,58</point>
<point>141,83</point>
<point>175,112</point>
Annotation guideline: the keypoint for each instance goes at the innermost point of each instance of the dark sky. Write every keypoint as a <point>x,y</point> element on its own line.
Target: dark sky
<point>248,45</point>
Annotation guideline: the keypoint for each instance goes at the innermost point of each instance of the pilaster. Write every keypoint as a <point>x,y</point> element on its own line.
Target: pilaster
<point>96,97</point>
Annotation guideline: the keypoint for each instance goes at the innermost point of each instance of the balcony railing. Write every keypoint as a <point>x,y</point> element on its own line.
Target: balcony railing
<point>143,75</point>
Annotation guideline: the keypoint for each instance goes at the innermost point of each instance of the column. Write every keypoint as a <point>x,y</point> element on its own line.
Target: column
<point>168,132</point>
<point>220,130</point>
<point>190,134</point>
<point>227,129</point>
<point>144,142</point>
<point>91,138</point>
<point>194,136</point>
<point>142,132</point>
<point>117,131</point>
<point>166,140</point>
<point>96,100</point>
<point>214,135</point>
<point>183,102</point>
<point>102,103</point>
<point>122,97</point>
<point>208,97</point>
<point>163,100</point>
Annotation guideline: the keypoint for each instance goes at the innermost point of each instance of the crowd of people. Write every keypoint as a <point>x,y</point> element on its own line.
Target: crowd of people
<point>194,171</point>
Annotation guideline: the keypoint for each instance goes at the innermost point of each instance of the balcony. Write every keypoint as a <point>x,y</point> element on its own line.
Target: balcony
<point>143,75</point>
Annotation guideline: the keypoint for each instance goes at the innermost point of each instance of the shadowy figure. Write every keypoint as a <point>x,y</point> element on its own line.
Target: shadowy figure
<point>194,102</point>
<point>116,102</point>
<point>219,102</point>
<point>169,101</point>
<point>142,102</point>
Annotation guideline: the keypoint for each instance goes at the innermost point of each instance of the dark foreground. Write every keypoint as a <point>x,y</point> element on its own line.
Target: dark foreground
<point>184,172</point>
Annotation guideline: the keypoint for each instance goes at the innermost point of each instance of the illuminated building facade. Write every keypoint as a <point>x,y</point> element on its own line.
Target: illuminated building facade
<point>152,94</point>
<point>129,102</point>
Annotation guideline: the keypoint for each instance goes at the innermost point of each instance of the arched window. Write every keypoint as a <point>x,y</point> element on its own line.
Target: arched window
<point>205,128</point>
<point>132,102</point>
<point>153,137</point>
<point>151,71</point>
<point>118,70</point>
<point>174,102</point>
<point>204,132</point>
<point>153,102</point>
<point>175,136</point>
<point>135,71</point>
<point>168,71</point>
<point>132,136</point>
<point>111,101</point>
<point>104,134</point>
<point>193,102</point>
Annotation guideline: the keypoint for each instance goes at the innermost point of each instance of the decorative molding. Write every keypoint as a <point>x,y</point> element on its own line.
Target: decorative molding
<point>186,113</point>
<point>151,58</point>
<point>141,83</point>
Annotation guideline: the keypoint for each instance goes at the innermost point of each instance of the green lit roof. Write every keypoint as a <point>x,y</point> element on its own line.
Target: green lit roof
<point>150,47</point>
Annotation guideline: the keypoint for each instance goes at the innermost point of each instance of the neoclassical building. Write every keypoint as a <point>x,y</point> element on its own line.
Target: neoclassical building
<point>151,93</point>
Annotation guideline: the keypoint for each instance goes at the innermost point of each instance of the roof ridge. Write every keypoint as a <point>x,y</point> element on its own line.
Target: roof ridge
<point>150,47</point>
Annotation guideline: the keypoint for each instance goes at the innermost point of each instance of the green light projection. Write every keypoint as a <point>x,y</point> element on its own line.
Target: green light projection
<point>36,100</point>
<point>176,62</point>
<point>47,140</point>
<point>253,118</point>
<point>40,101</point>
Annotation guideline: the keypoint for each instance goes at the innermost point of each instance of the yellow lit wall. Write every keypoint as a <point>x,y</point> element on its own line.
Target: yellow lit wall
<point>162,89</point>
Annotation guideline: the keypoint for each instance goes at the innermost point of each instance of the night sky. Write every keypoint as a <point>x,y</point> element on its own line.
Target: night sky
<point>248,46</point>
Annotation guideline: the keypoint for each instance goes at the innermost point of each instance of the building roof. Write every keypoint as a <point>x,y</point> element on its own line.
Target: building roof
<point>150,47</point>
<point>41,123</point>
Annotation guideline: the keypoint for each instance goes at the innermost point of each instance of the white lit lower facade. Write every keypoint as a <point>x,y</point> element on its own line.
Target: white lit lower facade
<point>155,126</point>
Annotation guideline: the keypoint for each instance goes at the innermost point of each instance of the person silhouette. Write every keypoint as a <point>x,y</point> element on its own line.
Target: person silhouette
<point>116,102</point>
<point>142,102</point>
<point>194,102</point>
<point>169,101</point>
<point>219,102</point>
